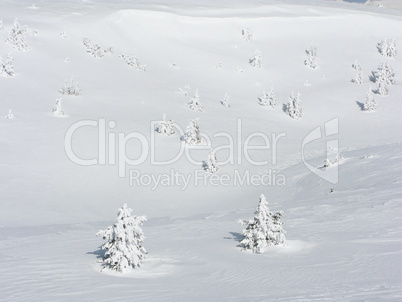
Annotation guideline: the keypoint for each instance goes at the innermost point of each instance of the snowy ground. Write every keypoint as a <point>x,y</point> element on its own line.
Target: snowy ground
<point>342,246</point>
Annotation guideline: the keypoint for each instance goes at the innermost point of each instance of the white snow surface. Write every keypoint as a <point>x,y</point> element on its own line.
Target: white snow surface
<point>341,246</point>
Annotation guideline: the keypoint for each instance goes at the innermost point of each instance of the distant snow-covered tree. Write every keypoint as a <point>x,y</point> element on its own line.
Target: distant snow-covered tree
<point>63,35</point>
<point>192,136</point>
<point>359,79</point>
<point>70,88</point>
<point>327,163</point>
<point>17,36</point>
<point>218,66</point>
<point>225,101</point>
<point>265,229</point>
<point>95,50</point>
<point>268,99</point>
<point>384,77</point>
<point>124,241</point>
<point>58,110</point>
<point>246,33</point>
<point>256,61</point>
<point>165,126</point>
<point>294,109</point>
<point>9,115</point>
<point>211,165</point>
<point>194,103</point>
<point>133,61</point>
<point>181,91</point>
<point>1,25</point>
<point>6,66</point>
<point>356,66</point>
<point>311,60</point>
<point>385,70</point>
<point>370,104</point>
<point>387,48</point>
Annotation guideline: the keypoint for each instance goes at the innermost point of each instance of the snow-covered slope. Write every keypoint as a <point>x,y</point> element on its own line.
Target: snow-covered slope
<point>342,246</point>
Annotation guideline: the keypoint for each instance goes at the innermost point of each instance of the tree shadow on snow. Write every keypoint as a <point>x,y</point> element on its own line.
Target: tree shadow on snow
<point>373,77</point>
<point>100,254</point>
<point>236,237</point>
<point>285,108</point>
<point>361,105</point>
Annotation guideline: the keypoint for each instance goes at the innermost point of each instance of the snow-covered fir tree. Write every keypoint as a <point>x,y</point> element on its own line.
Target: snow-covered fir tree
<point>70,88</point>
<point>384,77</point>
<point>225,101</point>
<point>1,25</point>
<point>17,36</point>
<point>268,99</point>
<point>6,66</point>
<point>58,110</point>
<point>194,103</point>
<point>211,165</point>
<point>124,241</point>
<point>382,86</point>
<point>359,79</point>
<point>294,109</point>
<point>246,33</point>
<point>95,50</point>
<point>370,103</point>
<point>132,60</point>
<point>356,65</point>
<point>311,60</point>
<point>192,136</point>
<point>387,48</point>
<point>9,115</point>
<point>385,70</point>
<point>256,61</point>
<point>165,126</point>
<point>327,163</point>
<point>265,229</point>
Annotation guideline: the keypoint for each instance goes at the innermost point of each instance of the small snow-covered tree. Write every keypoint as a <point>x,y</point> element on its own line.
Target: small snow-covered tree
<point>370,104</point>
<point>225,101</point>
<point>382,86</point>
<point>356,66</point>
<point>70,88</point>
<point>192,136</point>
<point>359,79</point>
<point>385,70</point>
<point>211,165</point>
<point>1,25</point>
<point>247,35</point>
<point>294,109</point>
<point>58,110</point>
<point>268,99</point>
<point>133,61</point>
<point>6,66</point>
<point>194,103</point>
<point>95,50</point>
<point>387,48</point>
<point>327,163</point>
<point>124,241</point>
<point>17,36</point>
<point>165,126</point>
<point>265,229</point>
<point>311,60</point>
<point>384,77</point>
<point>256,61</point>
<point>9,115</point>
